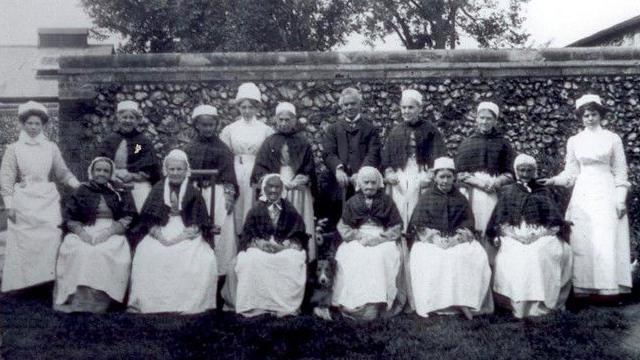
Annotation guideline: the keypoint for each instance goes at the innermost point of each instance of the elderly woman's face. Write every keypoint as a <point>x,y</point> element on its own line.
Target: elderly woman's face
<point>526,172</point>
<point>248,109</point>
<point>286,122</point>
<point>127,121</point>
<point>206,125</point>
<point>444,180</point>
<point>273,189</point>
<point>485,121</point>
<point>591,118</point>
<point>369,185</point>
<point>176,170</point>
<point>410,110</point>
<point>101,171</point>
<point>33,125</point>
<point>350,105</point>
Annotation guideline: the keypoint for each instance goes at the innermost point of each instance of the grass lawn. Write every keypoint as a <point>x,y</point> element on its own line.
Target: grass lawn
<point>30,329</point>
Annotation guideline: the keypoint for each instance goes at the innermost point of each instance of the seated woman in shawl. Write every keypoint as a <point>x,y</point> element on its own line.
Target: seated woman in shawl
<point>369,256</point>
<point>271,271</point>
<point>289,153</point>
<point>133,154</point>
<point>94,259</point>
<point>484,164</point>
<point>208,152</point>
<point>174,268</point>
<point>449,269</point>
<point>533,265</point>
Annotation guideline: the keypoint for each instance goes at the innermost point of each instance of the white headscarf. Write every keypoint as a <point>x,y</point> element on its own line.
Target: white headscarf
<point>367,172</point>
<point>524,159</point>
<point>175,154</point>
<point>263,186</point>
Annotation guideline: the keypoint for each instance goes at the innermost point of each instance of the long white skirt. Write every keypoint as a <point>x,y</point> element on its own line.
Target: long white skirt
<point>33,240</point>
<point>140,191</point>
<point>535,278</point>
<point>180,278</point>
<point>482,205</point>
<point>366,274</point>
<point>270,282</point>
<point>226,243</point>
<point>599,240</point>
<point>457,276</point>
<point>243,166</point>
<point>103,267</point>
<point>302,200</point>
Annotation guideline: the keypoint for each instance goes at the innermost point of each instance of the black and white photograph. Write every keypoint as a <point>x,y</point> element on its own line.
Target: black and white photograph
<point>319,179</point>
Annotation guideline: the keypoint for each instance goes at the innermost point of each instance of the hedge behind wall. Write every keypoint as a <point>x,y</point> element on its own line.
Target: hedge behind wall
<point>535,92</point>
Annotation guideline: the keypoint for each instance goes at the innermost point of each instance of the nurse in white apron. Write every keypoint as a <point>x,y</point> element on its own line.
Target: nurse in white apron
<point>32,202</point>
<point>244,137</point>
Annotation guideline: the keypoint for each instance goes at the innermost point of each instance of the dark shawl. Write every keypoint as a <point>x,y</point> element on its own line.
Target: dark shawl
<point>194,211</point>
<point>335,143</point>
<point>144,161</point>
<point>212,153</point>
<point>258,224</point>
<point>485,152</point>
<point>82,205</point>
<point>300,152</point>
<point>445,212</point>
<point>538,207</point>
<point>383,211</point>
<point>429,145</point>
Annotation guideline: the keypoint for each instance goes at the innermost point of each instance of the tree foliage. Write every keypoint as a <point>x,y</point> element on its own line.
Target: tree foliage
<point>223,25</point>
<point>438,24</point>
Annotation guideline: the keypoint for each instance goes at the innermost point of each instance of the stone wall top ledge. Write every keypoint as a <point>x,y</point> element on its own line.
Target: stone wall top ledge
<point>349,58</point>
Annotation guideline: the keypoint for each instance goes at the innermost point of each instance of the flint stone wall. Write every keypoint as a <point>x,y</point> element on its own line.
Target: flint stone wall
<point>534,88</point>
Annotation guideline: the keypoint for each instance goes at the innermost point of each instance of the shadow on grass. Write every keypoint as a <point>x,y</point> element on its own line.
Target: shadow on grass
<point>31,329</point>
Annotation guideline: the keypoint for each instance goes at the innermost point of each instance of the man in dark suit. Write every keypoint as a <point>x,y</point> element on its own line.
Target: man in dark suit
<point>350,142</point>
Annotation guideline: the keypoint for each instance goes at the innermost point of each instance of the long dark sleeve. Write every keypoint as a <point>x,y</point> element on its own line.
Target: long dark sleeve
<point>330,148</point>
<point>372,158</point>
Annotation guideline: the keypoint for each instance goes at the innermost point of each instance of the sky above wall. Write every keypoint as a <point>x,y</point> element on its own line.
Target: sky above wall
<point>559,22</point>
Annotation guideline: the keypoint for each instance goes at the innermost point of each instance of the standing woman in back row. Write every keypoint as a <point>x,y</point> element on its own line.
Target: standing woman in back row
<point>484,164</point>
<point>137,168</point>
<point>32,201</point>
<point>596,167</point>
<point>244,137</point>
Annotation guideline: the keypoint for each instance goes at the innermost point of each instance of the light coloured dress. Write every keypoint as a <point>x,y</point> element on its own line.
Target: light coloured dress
<point>33,240</point>
<point>596,166</point>
<point>244,139</point>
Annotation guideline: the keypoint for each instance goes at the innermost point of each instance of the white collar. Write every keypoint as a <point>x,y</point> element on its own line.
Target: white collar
<point>351,121</point>
<point>26,139</point>
<point>277,205</point>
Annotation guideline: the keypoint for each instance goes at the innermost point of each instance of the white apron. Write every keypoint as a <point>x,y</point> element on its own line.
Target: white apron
<point>600,241</point>
<point>140,191</point>
<point>406,193</point>
<point>103,267</point>
<point>270,282</point>
<point>539,272</point>
<point>482,205</point>
<point>33,240</point>
<point>302,201</point>
<point>457,276</point>
<point>366,274</point>
<point>181,278</point>
<point>243,165</point>
<point>226,244</point>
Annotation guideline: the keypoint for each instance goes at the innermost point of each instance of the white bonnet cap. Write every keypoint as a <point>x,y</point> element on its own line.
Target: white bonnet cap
<point>586,99</point>
<point>249,91</point>
<point>285,106</point>
<point>128,105</point>
<point>411,94</point>
<point>488,105</point>
<point>32,106</point>
<point>444,163</point>
<point>204,110</point>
